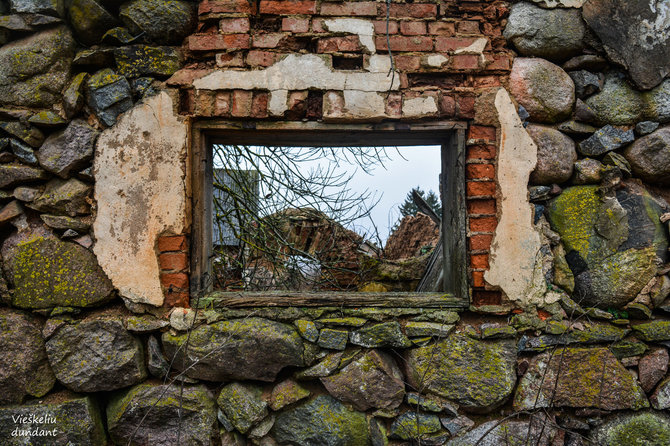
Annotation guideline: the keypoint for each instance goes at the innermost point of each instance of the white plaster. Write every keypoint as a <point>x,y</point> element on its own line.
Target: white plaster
<point>476,47</point>
<point>419,107</point>
<point>277,104</point>
<point>363,28</point>
<point>515,259</point>
<point>436,60</point>
<point>362,104</point>
<point>379,64</point>
<point>140,193</point>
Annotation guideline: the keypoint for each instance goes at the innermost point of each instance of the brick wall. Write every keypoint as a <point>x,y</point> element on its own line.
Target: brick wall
<point>446,51</point>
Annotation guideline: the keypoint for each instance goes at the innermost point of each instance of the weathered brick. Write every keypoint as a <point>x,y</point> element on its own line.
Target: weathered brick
<point>482,297</point>
<point>214,42</point>
<point>483,224</point>
<point>174,298</point>
<point>501,62</point>
<point>235,59</point>
<point>480,151</point>
<point>205,103</point>
<point>407,62</point>
<point>297,104</point>
<point>268,40</point>
<point>259,105</point>
<point>242,101</point>
<point>480,242</point>
<point>480,171</point>
<point>380,26</point>
<point>295,24</point>
<point>222,104</point>
<point>234,25</point>
<point>412,28</point>
<point>464,62</point>
<point>355,8</point>
<point>482,207</point>
<point>288,7</point>
<point>258,58</point>
<point>486,81</point>
<point>465,107</point>
<point>174,280</point>
<point>447,106</point>
<point>415,10</point>
<point>479,261</point>
<point>482,132</point>
<point>338,44</point>
<point>441,28</point>
<point>478,279</point>
<point>406,43</point>
<point>468,27</point>
<point>173,261</point>
<point>226,6</point>
<point>172,243</point>
<point>394,105</point>
<point>445,44</point>
<point>480,188</point>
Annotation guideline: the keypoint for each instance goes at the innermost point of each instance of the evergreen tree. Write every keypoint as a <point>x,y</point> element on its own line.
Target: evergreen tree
<point>409,207</point>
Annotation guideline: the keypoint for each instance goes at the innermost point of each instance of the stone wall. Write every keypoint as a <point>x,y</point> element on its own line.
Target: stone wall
<point>568,167</point>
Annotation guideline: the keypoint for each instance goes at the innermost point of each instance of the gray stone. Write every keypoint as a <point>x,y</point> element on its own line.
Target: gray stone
<point>142,60</point>
<point>413,426</point>
<point>63,197</point>
<point>553,377</point>
<point>41,20</point>
<point>307,329</point>
<point>26,193</point>
<point>616,160</point>
<point>73,96</point>
<point>23,152</point>
<point>14,23</point>
<point>262,428</point>
<point>156,364</point>
<point>458,424</point>
<point>649,157</point>
<point>69,150</point>
<point>323,421</point>
<point>431,403</point>
<point>653,331</point>
<point>47,119</point>
<point>34,70</point>
<point>543,89</point>
<point>657,103</point>
<point>96,355</point>
<point>590,333</point>
<point>47,272</point>
<point>660,400</point>
<point>24,369</point>
<point>551,34</point>
<point>497,331</point>
<point>617,103</point>
<point>145,324</point>
<point>433,329</point>
<point>477,375</point>
<point>333,339</point>
<point>48,7</point>
<point>159,414</point>
<point>251,348</point>
<point>645,127</point>
<point>539,193</point>
<point>586,83</point>
<point>94,58</point>
<point>539,430</point>
<point>588,171</point>
<point>118,36</point>
<point>584,113</point>
<point>287,392</point>
<point>109,95</point>
<point>242,405</point>
<point>589,62</point>
<point>556,155</point>
<point>646,428</point>
<point>163,21</point>
<point>64,222</point>
<point>26,133</point>
<point>576,128</point>
<point>388,334</point>
<point>10,211</point>
<point>634,35</point>
<point>90,20</point>
<point>324,368</point>
<point>371,381</point>
<point>68,419</point>
<point>605,140</point>
<point>652,368</point>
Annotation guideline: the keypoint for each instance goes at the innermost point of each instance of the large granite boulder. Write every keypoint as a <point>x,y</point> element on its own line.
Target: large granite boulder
<point>635,34</point>
<point>68,150</point>
<point>544,89</point>
<point>24,368</point>
<point>162,21</point>
<point>556,155</point>
<point>96,355</point>
<point>478,375</point>
<point>617,103</point>
<point>612,243</point>
<point>649,157</point>
<point>578,377</point>
<point>34,70</point>
<point>645,428</point>
<point>46,272</point>
<point>60,419</point>
<point>251,348</point>
<point>554,34</point>
<point>322,421</point>
<point>372,380</point>
<point>159,414</point>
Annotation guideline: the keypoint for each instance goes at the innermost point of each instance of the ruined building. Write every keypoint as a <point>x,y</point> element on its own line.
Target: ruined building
<point>539,314</point>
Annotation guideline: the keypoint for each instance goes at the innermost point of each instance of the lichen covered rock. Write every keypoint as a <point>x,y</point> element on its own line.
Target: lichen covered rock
<point>647,428</point>
<point>163,21</point>
<point>618,103</point>
<point>242,405</point>
<point>477,375</point>
<point>68,150</point>
<point>251,348</point>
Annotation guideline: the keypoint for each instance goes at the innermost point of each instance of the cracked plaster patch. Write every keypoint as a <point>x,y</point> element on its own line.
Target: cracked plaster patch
<point>363,28</point>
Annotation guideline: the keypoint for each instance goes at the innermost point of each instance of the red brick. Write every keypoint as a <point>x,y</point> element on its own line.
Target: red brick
<point>297,104</point>
<point>226,6</point>
<point>268,40</point>
<point>480,188</point>
<point>295,24</point>
<point>176,299</point>
<point>481,297</point>
<point>234,25</point>
<point>480,171</point>
<point>288,7</point>
<point>441,28</point>
<point>354,8</point>
<point>222,104</point>
<point>485,152</point>
<point>380,27</point>
<point>478,207</point>
<point>176,261</point>
<point>486,81</point>
<point>501,62</point>
<point>479,261</point>
<point>483,224</point>
<point>480,242</point>
<point>406,43</point>
<point>447,106</point>
<point>318,27</point>
<point>465,107</point>
<point>235,59</point>
<point>242,101</point>
<point>415,10</point>
<point>213,42</point>
<point>478,279</point>
<point>258,58</point>
<point>204,103</point>
<point>464,62</point>
<point>468,27</point>
<point>259,105</point>
<point>407,62</point>
<point>338,44</point>
<point>394,105</point>
<point>482,132</point>
<point>174,280</point>
<point>412,28</point>
<point>452,43</point>
<point>172,243</point>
